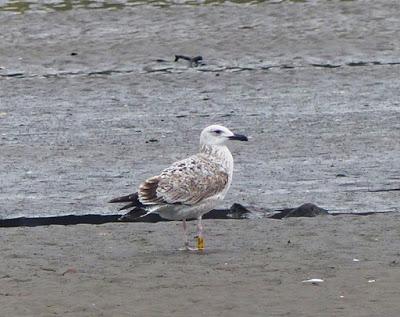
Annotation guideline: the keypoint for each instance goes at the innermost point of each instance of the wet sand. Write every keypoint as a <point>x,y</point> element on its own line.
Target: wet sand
<point>248,269</point>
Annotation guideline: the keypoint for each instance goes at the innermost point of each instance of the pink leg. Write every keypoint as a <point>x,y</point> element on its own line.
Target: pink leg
<point>199,227</point>
<point>185,235</point>
<point>185,238</point>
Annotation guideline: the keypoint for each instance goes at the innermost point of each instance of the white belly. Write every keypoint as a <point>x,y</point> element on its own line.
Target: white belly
<point>179,212</point>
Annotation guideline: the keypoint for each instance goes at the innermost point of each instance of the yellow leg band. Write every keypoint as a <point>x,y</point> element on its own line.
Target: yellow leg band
<point>200,243</point>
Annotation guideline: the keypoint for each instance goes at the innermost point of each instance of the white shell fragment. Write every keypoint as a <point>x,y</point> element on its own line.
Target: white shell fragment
<point>371,281</point>
<point>313,280</point>
<point>356,260</point>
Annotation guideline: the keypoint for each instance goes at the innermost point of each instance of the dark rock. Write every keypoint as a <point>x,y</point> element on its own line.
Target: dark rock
<point>305,210</point>
<point>237,211</point>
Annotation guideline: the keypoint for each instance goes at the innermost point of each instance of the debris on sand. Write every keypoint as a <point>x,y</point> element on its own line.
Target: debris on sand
<point>305,210</point>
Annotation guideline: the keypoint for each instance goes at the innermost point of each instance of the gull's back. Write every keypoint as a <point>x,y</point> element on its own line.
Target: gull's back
<point>188,188</point>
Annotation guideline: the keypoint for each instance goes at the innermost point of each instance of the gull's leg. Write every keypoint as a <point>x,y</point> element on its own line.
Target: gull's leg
<point>200,238</point>
<point>199,227</point>
<point>185,237</point>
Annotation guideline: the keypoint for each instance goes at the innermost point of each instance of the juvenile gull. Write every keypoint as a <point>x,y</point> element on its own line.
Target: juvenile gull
<point>191,187</point>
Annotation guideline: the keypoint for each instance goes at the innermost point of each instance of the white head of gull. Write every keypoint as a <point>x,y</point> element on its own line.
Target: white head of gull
<point>192,187</point>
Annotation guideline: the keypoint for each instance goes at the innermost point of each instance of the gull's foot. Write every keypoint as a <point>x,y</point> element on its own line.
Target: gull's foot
<point>187,248</point>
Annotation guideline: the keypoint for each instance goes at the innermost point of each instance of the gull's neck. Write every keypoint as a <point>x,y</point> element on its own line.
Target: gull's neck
<point>214,150</point>
<point>220,152</point>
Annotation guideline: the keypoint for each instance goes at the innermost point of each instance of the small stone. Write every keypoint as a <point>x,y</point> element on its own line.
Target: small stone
<point>152,141</point>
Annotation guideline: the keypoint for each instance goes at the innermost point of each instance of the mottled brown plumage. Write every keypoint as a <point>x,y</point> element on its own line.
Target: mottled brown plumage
<point>186,182</point>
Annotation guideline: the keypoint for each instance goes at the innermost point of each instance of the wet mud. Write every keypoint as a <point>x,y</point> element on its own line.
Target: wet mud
<point>92,102</point>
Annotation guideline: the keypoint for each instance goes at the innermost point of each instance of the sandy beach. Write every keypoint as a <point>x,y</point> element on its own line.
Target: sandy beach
<point>248,269</point>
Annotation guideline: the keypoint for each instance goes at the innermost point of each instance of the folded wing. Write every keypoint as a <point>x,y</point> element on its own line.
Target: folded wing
<point>186,182</point>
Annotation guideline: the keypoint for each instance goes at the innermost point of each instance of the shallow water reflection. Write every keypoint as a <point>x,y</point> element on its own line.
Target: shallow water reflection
<point>65,5</point>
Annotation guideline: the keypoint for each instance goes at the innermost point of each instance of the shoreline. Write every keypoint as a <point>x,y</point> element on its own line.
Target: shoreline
<point>236,212</point>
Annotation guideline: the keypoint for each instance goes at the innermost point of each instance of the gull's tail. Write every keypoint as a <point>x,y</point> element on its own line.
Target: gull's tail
<point>132,200</point>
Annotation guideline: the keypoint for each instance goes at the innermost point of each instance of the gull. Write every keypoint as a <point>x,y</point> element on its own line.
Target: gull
<point>189,188</point>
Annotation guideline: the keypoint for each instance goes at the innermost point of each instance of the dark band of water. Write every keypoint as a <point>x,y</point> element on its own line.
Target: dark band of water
<point>97,219</point>
<point>102,219</point>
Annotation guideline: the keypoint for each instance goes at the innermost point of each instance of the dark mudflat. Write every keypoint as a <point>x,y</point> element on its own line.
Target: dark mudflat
<point>88,109</point>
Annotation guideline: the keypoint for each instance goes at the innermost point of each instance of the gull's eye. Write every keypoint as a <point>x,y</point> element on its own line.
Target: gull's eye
<point>218,132</point>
